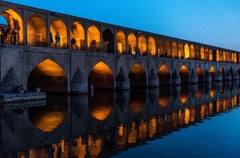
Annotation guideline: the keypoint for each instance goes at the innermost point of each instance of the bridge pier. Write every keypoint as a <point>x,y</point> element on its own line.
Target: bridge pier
<point>176,80</point>
<point>193,77</point>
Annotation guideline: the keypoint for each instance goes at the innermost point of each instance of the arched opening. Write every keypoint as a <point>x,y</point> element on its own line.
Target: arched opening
<point>137,76</point>
<point>186,51</point>
<point>48,76</point>
<point>180,51</point>
<point>192,51</point>
<point>206,54</point>
<point>14,30</point>
<point>160,48</point>
<point>164,96</point>
<point>184,74</point>
<point>142,45</point>
<point>202,53</point>
<point>151,46</point>
<point>174,50</point>
<point>137,100</point>
<point>101,104</point>
<point>210,55</point>
<point>200,74</point>
<point>108,41</point>
<point>101,77</point>
<point>49,118</point>
<point>168,49</point>
<point>121,42</point>
<point>132,43</point>
<point>222,71</point>
<point>77,36</point>
<point>93,37</point>
<point>164,75</point>
<point>217,55</point>
<point>36,31</point>
<point>212,73</point>
<point>58,34</point>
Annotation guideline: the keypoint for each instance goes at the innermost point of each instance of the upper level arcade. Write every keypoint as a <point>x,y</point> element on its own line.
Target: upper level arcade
<point>36,27</point>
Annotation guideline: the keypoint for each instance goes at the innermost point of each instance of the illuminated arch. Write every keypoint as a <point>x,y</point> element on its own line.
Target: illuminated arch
<point>137,76</point>
<point>206,54</point>
<point>77,33</point>
<point>48,76</point>
<point>202,53</point>
<point>180,51</point>
<point>160,48</point>
<point>108,38</point>
<point>217,55</point>
<point>101,105</point>
<point>101,77</point>
<point>186,51</point>
<point>151,46</point>
<point>121,42</point>
<point>142,45</point>
<point>93,37</point>
<point>192,51</point>
<point>15,23</point>
<point>132,43</point>
<point>36,31</point>
<point>184,74</point>
<point>210,55</point>
<point>200,74</point>
<point>168,48</point>
<point>164,75</point>
<point>174,50</point>
<point>47,118</point>
<point>212,73</point>
<point>58,26</point>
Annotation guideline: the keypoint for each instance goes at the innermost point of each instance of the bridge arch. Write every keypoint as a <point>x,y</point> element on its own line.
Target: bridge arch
<point>180,51</point>
<point>48,76</point>
<point>212,73</point>
<point>93,38</point>
<point>186,51</point>
<point>164,75</point>
<point>109,43</point>
<point>202,53</point>
<point>121,42</point>
<point>151,46</point>
<point>160,48</point>
<point>77,36</point>
<point>137,76</point>
<point>36,31</point>
<point>192,51</point>
<point>58,26</point>
<point>132,43</point>
<point>184,74</point>
<point>174,50</point>
<point>200,74</point>
<point>142,45</point>
<point>15,26</point>
<point>101,77</point>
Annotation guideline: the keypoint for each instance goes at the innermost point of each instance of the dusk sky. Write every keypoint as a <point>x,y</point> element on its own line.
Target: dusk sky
<point>213,22</point>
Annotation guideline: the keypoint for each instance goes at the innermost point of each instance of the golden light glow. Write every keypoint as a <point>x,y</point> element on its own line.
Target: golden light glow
<point>184,69</point>
<point>168,48</point>
<point>101,112</point>
<point>143,130</point>
<point>80,150</point>
<point>132,136</point>
<point>163,69</point>
<point>174,49</point>
<point>14,22</point>
<point>202,57</point>
<point>58,26</point>
<point>132,43</point>
<point>192,51</point>
<point>210,55</point>
<point>151,46</point>
<point>202,112</point>
<point>186,51</point>
<point>187,116</point>
<point>137,106</point>
<point>93,36</point>
<point>212,70</point>
<point>121,42</point>
<point>152,127</point>
<point>163,100</point>
<point>94,146</point>
<point>102,69</point>
<point>142,45</point>
<point>137,69</point>
<point>122,136</point>
<point>50,68</point>
<point>160,47</point>
<point>183,98</point>
<point>180,50</point>
<point>77,32</point>
<point>36,31</point>
<point>181,117</point>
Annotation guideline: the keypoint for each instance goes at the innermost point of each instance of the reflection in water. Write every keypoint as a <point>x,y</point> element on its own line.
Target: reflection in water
<point>105,123</point>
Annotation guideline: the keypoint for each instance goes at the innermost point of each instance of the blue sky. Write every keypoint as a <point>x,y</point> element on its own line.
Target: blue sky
<point>213,22</point>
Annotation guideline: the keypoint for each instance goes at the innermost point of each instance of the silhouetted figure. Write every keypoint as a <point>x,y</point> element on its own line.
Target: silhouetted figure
<point>73,43</point>
<point>57,38</point>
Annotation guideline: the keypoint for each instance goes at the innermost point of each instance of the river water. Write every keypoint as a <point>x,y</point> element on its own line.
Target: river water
<point>184,121</point>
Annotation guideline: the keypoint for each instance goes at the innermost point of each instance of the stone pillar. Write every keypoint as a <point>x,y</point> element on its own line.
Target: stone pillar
<point>78,83</point>
<point>235,76</point>
<point>176,80</point>
<point>153,80</point>
<point>218,77</point>
<point>228,76</point>
<point>207,77</point>
<point>122,81</point>
<point>193,77</point>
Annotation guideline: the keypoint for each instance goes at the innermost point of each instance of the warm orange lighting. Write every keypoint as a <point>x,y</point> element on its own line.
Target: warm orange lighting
<point>142,45</point>
<point>163,100</point>
<point>93,35</point>
<point>183,98</point>
<point>137,106</point>
<point>78,33</point>
<point>187,116</point>
<point>121,42</point>
<point>151,46</point>
<point>137,69</point>
<point>101,112</point>
<point>59,26</point>
<point>192,51</point>
<point>80,150</point>
<point>143,130</point>
<point>152,127</point>
<point>186,51</point>
<point>174,49</point>
<point>94,146</point>
<point>202,57</point>
<point>202,112</point>
<point>50,68</point>
<point>102,69</point>
<point>132,136</point>
<point>132,43</point>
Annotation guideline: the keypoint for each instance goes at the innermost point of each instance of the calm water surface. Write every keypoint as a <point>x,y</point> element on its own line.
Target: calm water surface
<point>189,121</point>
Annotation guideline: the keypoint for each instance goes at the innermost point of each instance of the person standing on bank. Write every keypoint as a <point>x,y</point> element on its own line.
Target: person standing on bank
<point>57,38</point>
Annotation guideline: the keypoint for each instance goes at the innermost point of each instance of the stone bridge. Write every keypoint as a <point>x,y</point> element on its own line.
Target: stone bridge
<point>93,54</point>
